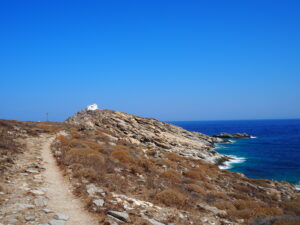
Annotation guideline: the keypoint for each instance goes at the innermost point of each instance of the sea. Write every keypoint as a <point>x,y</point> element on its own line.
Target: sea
<point>272,152</point>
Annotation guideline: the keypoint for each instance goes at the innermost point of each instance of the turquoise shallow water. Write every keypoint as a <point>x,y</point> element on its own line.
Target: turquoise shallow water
<point>273,153</point>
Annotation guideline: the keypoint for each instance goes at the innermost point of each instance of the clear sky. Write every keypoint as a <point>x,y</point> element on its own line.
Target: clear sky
<point>171,60</point>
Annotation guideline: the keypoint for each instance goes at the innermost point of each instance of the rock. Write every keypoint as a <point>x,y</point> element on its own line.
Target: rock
<point>93,190</point>
<point>60,216</point>
<point>110,222</point>
<point>235,135</point>
<point>123,216</point>
<point>152,221</point>
<point>134,141</point>
<point>47,210</point>
<point>98,202</point>
<point>30,218</point>
<point>26,206</point>
<point>37,192</point>
<point>31,171</point>
<point>212,209</point>
<point>57,153</point>
<point>40,201</point>
<point>56,222</point>
<point>12,220</point>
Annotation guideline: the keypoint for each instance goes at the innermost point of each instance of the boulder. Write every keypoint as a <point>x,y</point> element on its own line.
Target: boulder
<point>122,216</point>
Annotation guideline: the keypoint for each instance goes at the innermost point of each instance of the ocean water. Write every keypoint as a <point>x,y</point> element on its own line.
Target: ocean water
<point>273,152</point>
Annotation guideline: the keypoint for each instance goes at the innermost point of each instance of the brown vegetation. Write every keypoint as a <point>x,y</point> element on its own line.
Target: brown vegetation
<point>171,198</point>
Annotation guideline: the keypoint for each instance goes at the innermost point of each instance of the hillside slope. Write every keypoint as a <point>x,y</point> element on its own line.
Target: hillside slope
<point>149,133</point>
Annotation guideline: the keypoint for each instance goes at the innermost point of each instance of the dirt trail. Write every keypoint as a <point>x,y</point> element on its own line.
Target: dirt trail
<point>61,199</point>
<point>34,190</point>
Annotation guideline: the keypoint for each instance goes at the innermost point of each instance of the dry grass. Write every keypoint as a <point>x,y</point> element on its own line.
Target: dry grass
<point>171,197</point>
<point>244,204</point>
<point>225,205</point>
<point>122,156</point>
<point>195,174</point>
<point>196,188</point>
<point>172,176</point>
<point>85,156</point>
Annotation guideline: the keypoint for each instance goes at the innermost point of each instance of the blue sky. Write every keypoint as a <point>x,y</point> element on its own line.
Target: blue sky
<point>171,60</point>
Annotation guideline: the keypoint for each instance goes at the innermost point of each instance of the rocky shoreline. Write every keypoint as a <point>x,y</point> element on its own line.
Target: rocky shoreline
<point>235,135</point>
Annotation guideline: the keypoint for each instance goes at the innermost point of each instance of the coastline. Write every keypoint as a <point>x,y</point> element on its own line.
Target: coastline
<point>228,161</point>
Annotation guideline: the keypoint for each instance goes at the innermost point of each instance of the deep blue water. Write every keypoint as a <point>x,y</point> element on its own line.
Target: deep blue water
<point>273,154</point>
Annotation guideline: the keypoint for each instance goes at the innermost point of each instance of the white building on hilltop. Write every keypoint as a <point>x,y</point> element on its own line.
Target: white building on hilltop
<point>92,107</point>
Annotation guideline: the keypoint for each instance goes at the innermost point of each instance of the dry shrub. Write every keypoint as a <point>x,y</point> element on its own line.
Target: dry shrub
<point>260,182</point>
<point>212,196</point>
<point>92,145</point>
<point>194,174</point>
<point>121,155</point>
<point>147,166</point>
<point>252,213</point>
<point>207,186</point>
<point>171,197</point>
<point>239,196</point>
<point>267,212</point>
<point>242,188</point>
<point>135,169</point>
<point>84,156</point>
<point>225,205</point>
<point>88,144</point>
<point>195,188</point>
<point>244,204</point>
<point>174,157</point>
<point>291,208</point>
<point>241,214</point>
<point>170,164</point>
<point>61,138</point>
<point>171,175</point>
<point>87,173</point>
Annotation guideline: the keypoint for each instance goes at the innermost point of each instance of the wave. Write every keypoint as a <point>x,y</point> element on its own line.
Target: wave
<point>234,160</point>
<point>253,137</point>
<point>297,186</point>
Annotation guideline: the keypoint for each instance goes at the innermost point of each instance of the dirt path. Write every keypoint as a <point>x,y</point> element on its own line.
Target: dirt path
<point>34,190</point>
<point>61,199</point>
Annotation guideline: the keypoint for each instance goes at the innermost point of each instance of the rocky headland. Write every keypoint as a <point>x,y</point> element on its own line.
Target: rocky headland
<point>113,168</point>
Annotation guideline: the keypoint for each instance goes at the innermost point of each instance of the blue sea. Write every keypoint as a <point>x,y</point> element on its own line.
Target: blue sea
<point>273,152</point>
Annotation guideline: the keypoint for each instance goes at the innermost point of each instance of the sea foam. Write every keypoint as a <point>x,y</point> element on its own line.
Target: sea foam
<point>229,164</point>
<point>297,186</point>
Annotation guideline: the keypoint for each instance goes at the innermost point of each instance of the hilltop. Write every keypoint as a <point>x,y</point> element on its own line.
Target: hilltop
<point>125,169</point>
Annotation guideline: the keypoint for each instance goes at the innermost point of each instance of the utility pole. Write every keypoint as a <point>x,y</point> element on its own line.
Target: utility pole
<point>47,117</point>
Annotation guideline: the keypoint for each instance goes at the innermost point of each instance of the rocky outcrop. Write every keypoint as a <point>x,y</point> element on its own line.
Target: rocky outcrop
<point>235,135</point>
<point>149,133</point>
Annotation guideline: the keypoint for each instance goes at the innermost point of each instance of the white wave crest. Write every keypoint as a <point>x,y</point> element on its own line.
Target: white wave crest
<point>229,164</point>
<point>297,186</point>
<point>253,137</point>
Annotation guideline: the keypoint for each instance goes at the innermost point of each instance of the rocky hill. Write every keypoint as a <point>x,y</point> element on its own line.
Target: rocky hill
<point>149,133</point>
